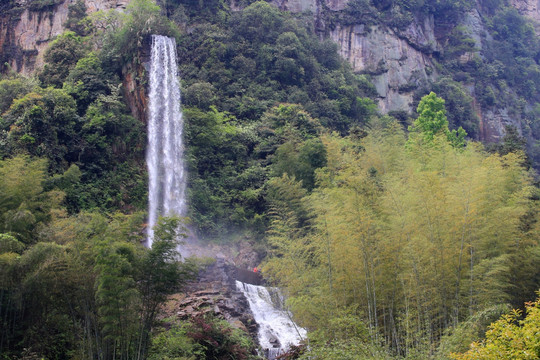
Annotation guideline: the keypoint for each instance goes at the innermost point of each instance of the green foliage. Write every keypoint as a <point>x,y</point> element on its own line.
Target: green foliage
<point>126,34</point>
<point>44,123</point>
<point>174,344</point>
<point>24,205</point>
<point>431,119</point>
<point>262,56</point>
<point>515,46</point>
<point>9,244</point>
<point>218,156</point>
<point>161,270</point>
<point>509,337</point>
<point>86,123</point>
<point>257,66</point>
<point>88,287</point>
<point>345,337</point>
<point>432,122</point>
<point>448,10</point>
<point>61,56</point>
<point>86,82</point>
<point>512,142</point>
<point>218,340</point>
<point>458,103</point>
<point>42,5</point>
<point>429,235</point>
<point>195,11</point>
<point>13,88</point>
<point>260,22</point>
<point>458,338</point>
<point>300,161</point>
<point>504,69</point>
<point>459,43</point>
<point>77,20</point>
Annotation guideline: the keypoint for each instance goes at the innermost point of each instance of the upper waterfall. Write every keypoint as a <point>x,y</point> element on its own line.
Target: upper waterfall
<point>164,157</point>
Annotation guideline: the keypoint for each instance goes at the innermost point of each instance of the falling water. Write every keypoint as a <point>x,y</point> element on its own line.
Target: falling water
<point>277,331</point>
<point>165,126</point>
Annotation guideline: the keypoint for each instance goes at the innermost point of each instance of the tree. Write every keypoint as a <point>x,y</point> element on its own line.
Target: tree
<point>86,82</point>
<point>411,242</point>
<point>432,121</point>
<point>24,205</point>
<point>161,273</point>
<point>61,57</point>
<point>44,123</point>
<point>431,117</point>
<point>77,20</point>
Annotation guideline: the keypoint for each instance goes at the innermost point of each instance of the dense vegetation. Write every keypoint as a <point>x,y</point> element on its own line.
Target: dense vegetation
<point>76,281</point>
<point>391,241</point>
<point>76,287</point>
<point>257,86</point>
<point>404,239</point>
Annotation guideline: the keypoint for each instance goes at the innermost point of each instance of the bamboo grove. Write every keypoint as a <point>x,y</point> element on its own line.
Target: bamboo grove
<point>402,240</point>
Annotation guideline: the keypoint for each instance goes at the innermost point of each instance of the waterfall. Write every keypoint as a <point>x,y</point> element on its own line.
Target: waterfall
<point>164,157</point>
<point>277,331</point>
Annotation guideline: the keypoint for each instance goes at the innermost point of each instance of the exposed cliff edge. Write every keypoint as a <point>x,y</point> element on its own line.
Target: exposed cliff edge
<point>528,8</point>
<point>399,60</point>
<point>26,31</point>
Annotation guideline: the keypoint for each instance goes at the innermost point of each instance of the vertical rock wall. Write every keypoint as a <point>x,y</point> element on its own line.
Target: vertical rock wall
<point>528,8</point>
<point>400,60</point>
<point>395,65</point>
<point>25,34</point>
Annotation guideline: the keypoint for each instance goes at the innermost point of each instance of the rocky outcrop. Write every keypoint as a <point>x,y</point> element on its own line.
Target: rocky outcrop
<point>25,34</point>
<point>397,62</point>
<point>297,6</point>
<point>133,85</point>
<point>313,6</point>
<point>214,292</point>
<point>528,8</point>
<point>397,67</point>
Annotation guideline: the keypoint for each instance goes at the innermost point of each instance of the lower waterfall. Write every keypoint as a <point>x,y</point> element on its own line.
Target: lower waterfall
<point>277,331</point>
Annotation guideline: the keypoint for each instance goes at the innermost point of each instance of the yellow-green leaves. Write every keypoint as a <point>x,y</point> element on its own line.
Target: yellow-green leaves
<point>509,338</point>
<point>411,241</point>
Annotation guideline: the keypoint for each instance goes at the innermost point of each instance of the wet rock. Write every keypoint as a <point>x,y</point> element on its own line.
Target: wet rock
<point>214,292</point>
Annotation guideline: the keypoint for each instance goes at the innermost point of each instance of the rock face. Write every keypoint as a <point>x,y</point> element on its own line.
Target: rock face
<point>395,65</point>
<point>529,8</point>
<point>214,292</point>
<point>25,34</point>
<point>398,61</point>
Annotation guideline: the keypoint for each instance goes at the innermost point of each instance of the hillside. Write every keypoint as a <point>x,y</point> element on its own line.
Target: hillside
<point>378,160</point>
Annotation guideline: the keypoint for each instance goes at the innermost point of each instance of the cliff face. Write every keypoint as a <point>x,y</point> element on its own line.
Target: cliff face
<point>395,65</point>
<point>528,8</point>
<point>25,33</point>
<point>398,61</point>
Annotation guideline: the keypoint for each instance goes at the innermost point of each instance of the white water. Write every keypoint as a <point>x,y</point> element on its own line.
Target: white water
<point>274,321</point>
<point>167,179</point>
